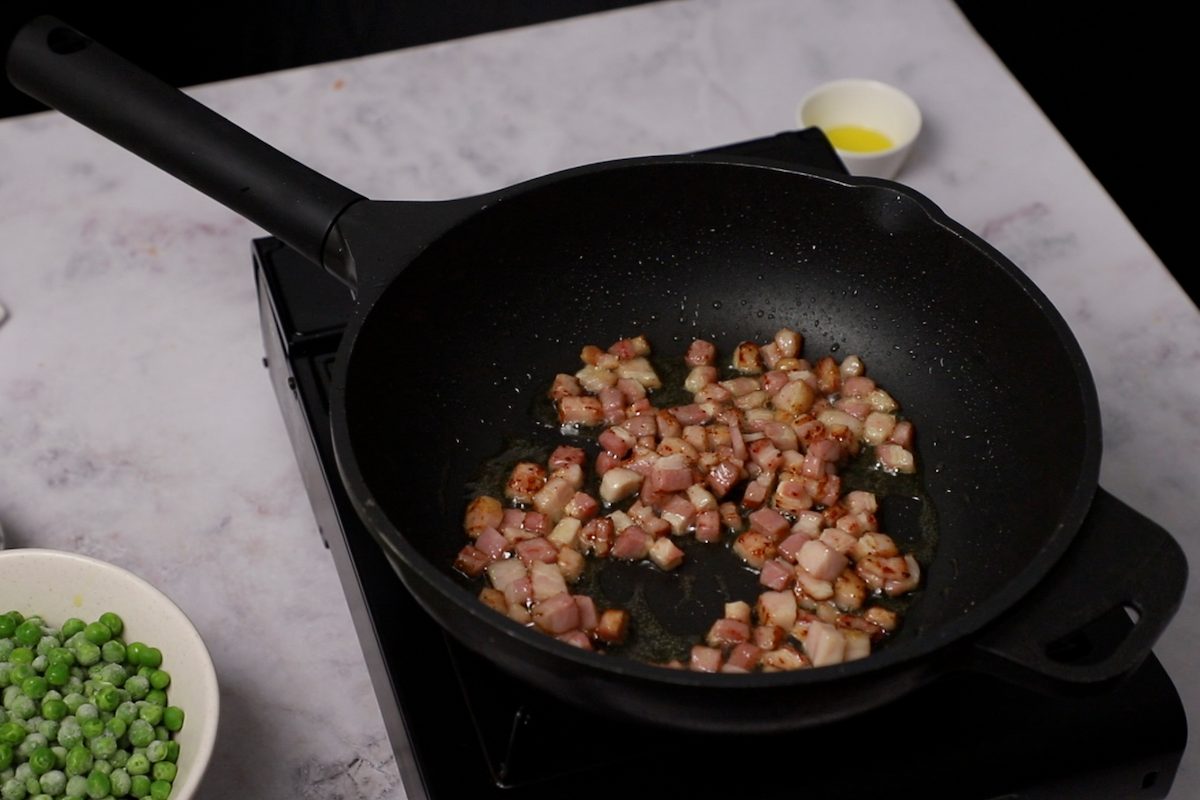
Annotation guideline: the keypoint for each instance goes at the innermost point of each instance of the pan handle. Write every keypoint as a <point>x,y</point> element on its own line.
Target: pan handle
<point>1062,635</point>
<point>64,69</point>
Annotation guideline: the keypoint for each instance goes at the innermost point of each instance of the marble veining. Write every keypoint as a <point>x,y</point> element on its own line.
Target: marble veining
<point>137,424</point>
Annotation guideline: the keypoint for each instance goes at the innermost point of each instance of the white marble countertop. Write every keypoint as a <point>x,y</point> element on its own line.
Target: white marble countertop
<point>137,424</point>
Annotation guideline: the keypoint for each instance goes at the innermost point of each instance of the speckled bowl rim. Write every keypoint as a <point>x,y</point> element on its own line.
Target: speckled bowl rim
<point>198,655</point>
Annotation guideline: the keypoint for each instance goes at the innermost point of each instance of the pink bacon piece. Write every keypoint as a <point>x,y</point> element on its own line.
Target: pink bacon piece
<point>700,353</point>
<point>727,632</point>
<point>633,544</point>
<point>585,411</point>
<point>557,614</point>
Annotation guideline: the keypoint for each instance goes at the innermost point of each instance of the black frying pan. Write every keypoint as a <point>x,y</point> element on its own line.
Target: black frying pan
<point>457,331</point>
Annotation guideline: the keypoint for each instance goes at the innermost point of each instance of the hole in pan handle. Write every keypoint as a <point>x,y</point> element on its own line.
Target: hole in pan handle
<point>1094,618</point>
<point>64,69</point>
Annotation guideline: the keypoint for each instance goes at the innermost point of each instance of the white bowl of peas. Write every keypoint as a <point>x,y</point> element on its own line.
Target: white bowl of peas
<point>106,689</point>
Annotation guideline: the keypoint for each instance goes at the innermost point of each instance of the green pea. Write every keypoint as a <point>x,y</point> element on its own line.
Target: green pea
<point>133,653</point>
<point>99,785</point>
<point>108,698</point>
<point>7,626</point>
<point>137,764</point>
<point>156,697</point>
<point>28,633</point>
<point>172,718</point>
<point>113,651</point>
<point>58,674</point>
<point>6,753</point>
<point>86,711</point>
<point>160,790</point>
<point>13,789</point>
<point>120,782</point>
<point>114,623</point>
<point>139,786</point>
<point>119,759</point>
<point>41,761</point>
<point>76,786</point>
<point>49,729</point>
<point>141,733</point>
<point>138,687</point>
<point>126,712</point>
<point>160,679</point>
<point>22,707</point>
<point>150,713</point>
<point>97,633</point>
<point>74,701</point>
<point>79,760</point>
<point>103,746</point>
<point>71,627</point>
<point>53,783</point>
<point>35,687</point>
<point>87,653</point>
<point>102,765</point>
<point>116,726</point>
<point>21,655</point>
<point>172,751</point>
<point>92,728</point>
<point>152,657</point>
<point>13,733</point>
<point>114,674</point>
<point>156,751</point>
<point>69,733</point>
<point>163,771</point>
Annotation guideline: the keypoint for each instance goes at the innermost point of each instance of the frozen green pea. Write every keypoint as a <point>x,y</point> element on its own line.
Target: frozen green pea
<point>159,790</point>
<point>6,756</point>
<point>139,786</point>
<point>112,652</point>
<point>141,733</point>
<point>13,789</point>
<point>156,751</point>
<point>116,674</point>
<point>120,782</point>
<point>137,764</point>
<point>22,707</point>
<point>60,755</point>
<point>76,786</point>
<point>91,728</point>
<point>150,712</point>
<point>163,771</point>
<point>138,687</point>
<point>71,627</point>
<point>79,761</point>
<point>53,710</point>
<point>116,726</point>
<point>173,751</point>
<point>54,782</point>
<point>98,785</point>
<point>6,647</point>
<point>45,645</point>
<point>103,746</point>
<point>49,729</point>
<point>126,712</point>
<point>119,759</point>
<point>156,697</point>
<point>70,734</point>
<point>87,711</point>
<point>13,732</point>
<point>86,653</point>
<point>102,765</point>
<point>74,701</point>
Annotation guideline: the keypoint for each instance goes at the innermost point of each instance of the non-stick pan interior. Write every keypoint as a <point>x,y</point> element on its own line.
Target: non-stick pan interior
<point>454,358</point>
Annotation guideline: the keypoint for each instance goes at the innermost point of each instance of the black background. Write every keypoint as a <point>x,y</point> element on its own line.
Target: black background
<point>1111,81</point>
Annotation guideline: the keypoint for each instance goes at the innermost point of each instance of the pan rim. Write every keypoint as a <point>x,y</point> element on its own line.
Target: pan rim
<point>936,644</point>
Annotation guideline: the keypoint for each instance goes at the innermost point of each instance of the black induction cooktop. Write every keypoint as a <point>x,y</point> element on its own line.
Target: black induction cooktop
<point>462,729</point>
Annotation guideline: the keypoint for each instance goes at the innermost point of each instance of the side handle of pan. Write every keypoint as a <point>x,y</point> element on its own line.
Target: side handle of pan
<point>67,71</point>
<point>1096,615</point>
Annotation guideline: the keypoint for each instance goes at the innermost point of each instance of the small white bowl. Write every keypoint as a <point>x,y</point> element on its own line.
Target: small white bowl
<point>866,104</point>
<point>56,586</point>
